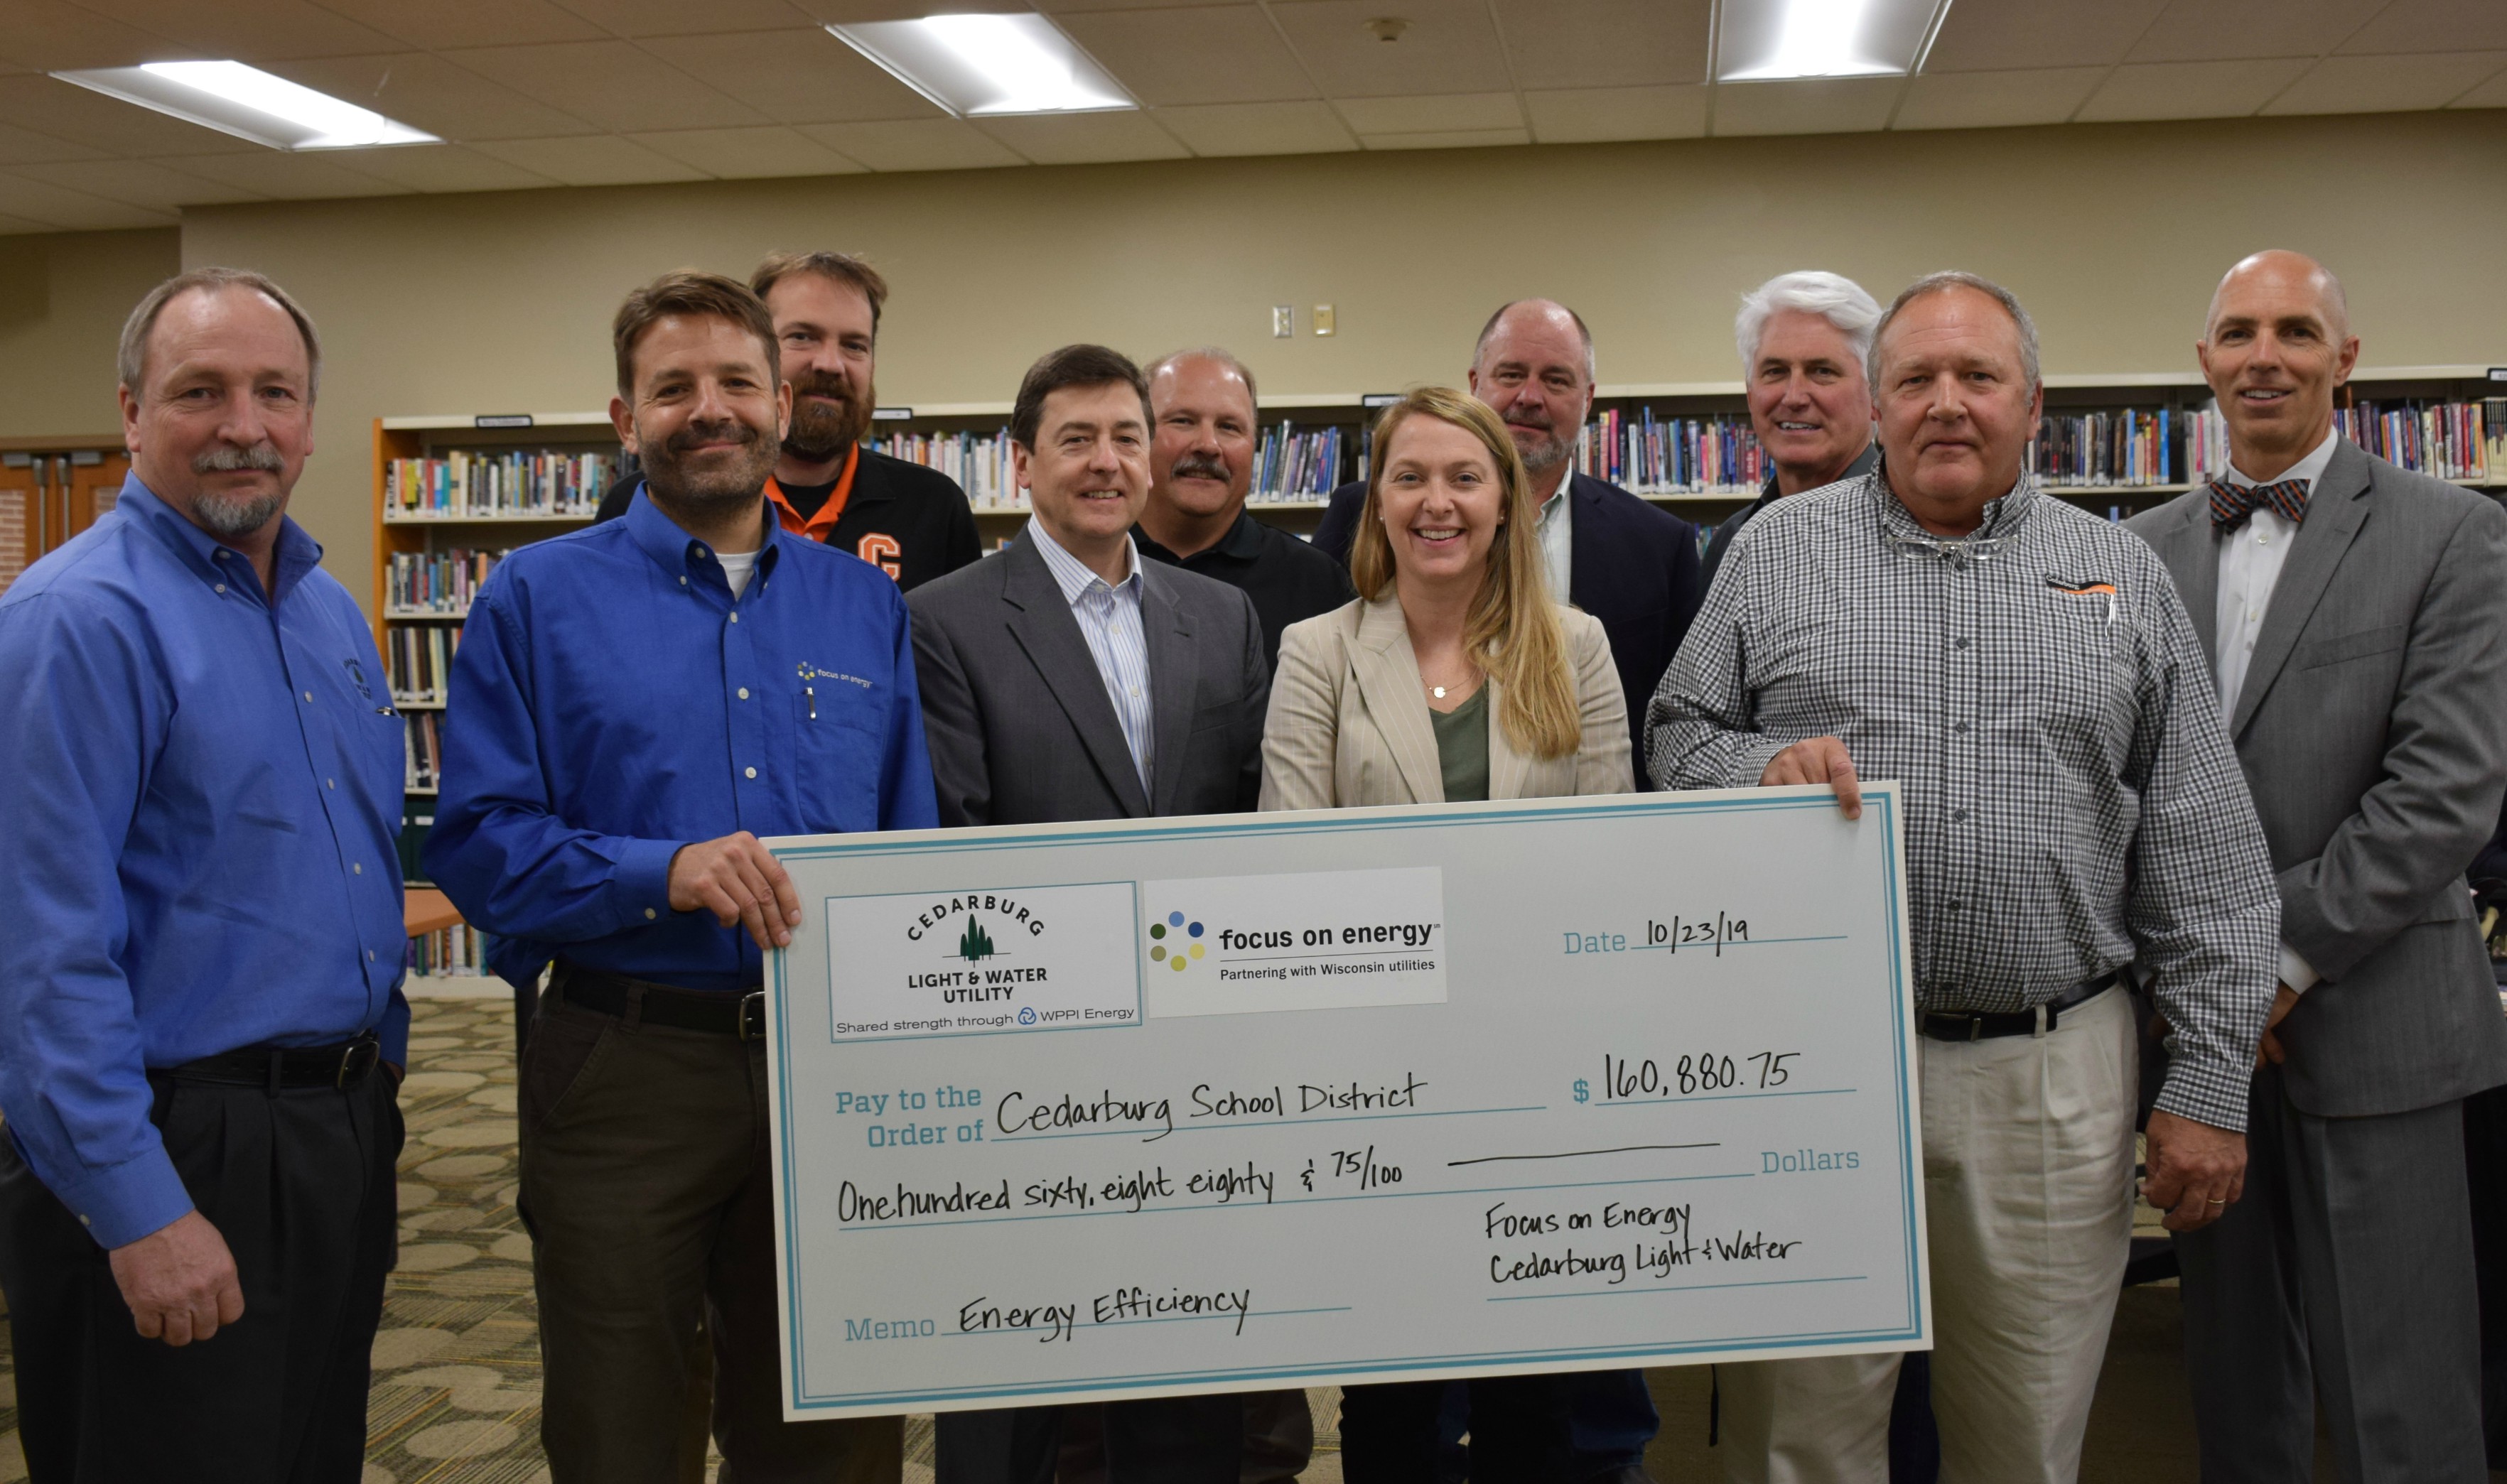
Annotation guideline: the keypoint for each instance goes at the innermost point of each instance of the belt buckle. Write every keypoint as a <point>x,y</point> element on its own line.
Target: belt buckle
<point>349,1070</point>
<point>752,1016</point>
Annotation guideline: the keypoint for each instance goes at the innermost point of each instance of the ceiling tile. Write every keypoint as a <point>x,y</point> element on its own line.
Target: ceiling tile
<point>1450,110</point>
<point>591,159</point>
<point>2418,25</point>
<point>609,83</point>
<point>1995,99</point>
<point>26,146</point>
<point>431,94</point>
<point>52,35</point>
<point>72,210</point>
<point>797,77</point>
<point>1581,44</point>
<point>2188,90</point>
<point>1447,139</point>
<point>1449,47</point>
<point>19,226</point>
<point>1221,54</point>
<point>743,153</point>
<point>2214,30</point>
<point>2006,35</point>
<point>2386,84</point>
<point>438,167</point>
<point>136,183</point>
<point>261,31</point>
<point>914,144</point>
<point>50,106</point>
<point>1805,106</point>
<point>285,176</point>
<point>1085,138</point>
<point>1257,129</point>
<point>1060,8</point>
<point>679,18</point>
<point>2489,94</point>
<point>1592,114</point>
<point>439,24</point>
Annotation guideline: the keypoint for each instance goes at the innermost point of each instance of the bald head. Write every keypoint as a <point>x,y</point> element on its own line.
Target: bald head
<point>1539,318</point>
<point>2275,347</point>
<point>1533,367</point>
<point>2286,275</point>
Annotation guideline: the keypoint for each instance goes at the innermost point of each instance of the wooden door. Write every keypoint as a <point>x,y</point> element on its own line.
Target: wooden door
<point>91,483</point>
<point>24,477</point>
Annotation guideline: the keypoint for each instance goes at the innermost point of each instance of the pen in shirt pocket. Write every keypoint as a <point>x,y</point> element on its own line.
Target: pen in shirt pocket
<point>2105,590</point>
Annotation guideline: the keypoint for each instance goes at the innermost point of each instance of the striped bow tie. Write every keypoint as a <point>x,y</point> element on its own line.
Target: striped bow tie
<point>2231,504</point>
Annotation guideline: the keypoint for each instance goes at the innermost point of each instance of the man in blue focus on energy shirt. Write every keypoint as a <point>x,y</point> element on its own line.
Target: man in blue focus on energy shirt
<point>201,1021</point>
<point>632,707</point>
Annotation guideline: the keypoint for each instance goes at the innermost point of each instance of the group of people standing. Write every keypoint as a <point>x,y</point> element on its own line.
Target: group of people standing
<point>2199,790</point>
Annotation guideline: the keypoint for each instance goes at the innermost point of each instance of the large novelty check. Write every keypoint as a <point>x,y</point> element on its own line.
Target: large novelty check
<point>1149,1108</point>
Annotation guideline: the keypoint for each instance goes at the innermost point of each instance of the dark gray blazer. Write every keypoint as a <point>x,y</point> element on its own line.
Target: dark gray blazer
<point>2372,731</point>
<point>1019,724</point>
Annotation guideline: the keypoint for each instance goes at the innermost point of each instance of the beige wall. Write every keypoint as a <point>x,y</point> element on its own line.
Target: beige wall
<point>63,298</point>
<point>2113,234</point>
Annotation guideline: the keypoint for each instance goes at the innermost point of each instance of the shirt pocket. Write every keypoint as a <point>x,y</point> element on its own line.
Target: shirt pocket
<point>836,765</point>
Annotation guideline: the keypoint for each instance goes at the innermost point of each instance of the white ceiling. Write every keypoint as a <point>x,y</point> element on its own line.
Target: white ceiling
<point>546,93</point>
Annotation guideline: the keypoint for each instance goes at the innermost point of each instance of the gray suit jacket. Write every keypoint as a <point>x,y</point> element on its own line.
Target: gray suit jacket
<point>1019,724</point>
<point>2373,730</point>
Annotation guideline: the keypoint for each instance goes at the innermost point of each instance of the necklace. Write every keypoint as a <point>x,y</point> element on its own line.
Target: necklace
<point>1436,690</point>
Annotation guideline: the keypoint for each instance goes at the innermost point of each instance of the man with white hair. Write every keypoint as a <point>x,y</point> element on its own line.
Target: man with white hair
<point>1803,339</point>
<point>2070,807</point>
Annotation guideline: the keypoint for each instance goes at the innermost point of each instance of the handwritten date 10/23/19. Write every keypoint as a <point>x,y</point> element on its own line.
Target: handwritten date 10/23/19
<point>1711,933</point>
<point>1690,1075</point>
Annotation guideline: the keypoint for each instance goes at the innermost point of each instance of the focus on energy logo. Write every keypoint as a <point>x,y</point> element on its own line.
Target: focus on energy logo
<point>1167,943</point>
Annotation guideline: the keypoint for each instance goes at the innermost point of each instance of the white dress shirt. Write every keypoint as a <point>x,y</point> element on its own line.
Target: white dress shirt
<point>1109,620</point>
<point>1557,529</point>
<point>2250,563</point>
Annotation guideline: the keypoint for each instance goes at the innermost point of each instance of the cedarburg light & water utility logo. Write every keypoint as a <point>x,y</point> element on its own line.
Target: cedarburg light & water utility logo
<point>1169,945</point>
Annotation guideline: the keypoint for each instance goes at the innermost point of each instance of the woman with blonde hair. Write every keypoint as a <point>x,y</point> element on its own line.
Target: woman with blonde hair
<point>1454,678</point>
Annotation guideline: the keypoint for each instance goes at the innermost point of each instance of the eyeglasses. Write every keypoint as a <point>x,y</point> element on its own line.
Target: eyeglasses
<point>1948,548</point>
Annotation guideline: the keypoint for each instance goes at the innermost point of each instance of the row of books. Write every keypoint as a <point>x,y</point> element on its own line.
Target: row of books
<point>1646,455</point>
<point>462,485</point>
<point>2450,440</point>
<point>425,768</point>
<point>980,463</point>
<point>437,582</point>
<point>418,662</point>
<point>458,950</point>
<point>1289,464</point>
<point>2100,449</point>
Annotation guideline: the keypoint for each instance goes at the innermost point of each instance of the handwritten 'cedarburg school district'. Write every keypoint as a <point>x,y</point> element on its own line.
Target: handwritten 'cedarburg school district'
<point>1148,1107</point>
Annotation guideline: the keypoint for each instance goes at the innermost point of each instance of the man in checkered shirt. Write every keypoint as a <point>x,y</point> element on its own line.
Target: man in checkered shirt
<point>2072,805</point>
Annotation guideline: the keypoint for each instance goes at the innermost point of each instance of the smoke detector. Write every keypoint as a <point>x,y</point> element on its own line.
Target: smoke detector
<point>1387,27</point>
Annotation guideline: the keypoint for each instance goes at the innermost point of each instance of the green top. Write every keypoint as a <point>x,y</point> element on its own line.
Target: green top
<point>1461,748</point>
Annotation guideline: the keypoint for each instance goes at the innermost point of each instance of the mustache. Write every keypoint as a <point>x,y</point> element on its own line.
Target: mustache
<point>1201,466</point>
<point>227,458</point>
<point>696,433</point>
<point>820,383</point>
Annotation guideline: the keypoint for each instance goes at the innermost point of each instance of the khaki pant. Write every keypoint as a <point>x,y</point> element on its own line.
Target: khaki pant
<point>646,1190</point>
<point>2028,1167</point>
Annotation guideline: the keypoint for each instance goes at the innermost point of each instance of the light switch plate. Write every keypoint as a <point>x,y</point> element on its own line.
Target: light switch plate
<point>1324,323</point>
<point>1284,321</point>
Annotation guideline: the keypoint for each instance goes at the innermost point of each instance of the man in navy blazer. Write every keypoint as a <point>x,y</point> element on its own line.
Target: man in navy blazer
<point>1632,565</point>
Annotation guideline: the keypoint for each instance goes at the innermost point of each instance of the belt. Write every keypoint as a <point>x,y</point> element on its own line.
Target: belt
<point>2036,1020</point>
<point>740,1014</point>
<point>281,1067</point>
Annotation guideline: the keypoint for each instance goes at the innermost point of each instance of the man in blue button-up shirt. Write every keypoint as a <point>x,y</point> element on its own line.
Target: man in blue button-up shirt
<point>202,967</point>
<point>632,706</point>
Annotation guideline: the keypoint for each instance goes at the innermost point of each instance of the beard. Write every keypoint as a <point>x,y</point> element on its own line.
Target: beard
<point>1541,446</point>
<point>739,480</point>
<point>231,515</point>
<point>821,433</point>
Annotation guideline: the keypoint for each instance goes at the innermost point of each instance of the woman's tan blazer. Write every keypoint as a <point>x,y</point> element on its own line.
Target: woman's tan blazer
<point>1349,719</point>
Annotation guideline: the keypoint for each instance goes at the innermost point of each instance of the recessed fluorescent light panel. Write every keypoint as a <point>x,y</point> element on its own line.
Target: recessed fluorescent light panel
<point>1763,40</point>
<point>982,65</point>
<point>249,104</point>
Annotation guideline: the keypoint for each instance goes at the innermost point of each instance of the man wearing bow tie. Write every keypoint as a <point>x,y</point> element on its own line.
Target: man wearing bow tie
<point>2358,636</point>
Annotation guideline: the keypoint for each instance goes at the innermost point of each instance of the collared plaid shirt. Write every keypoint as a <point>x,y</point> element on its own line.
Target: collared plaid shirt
<point>2072,803</point>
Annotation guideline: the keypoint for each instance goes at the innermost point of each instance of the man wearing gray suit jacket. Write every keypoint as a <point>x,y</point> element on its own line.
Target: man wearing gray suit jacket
<point>1069,679</point>
<point>2357,618</point>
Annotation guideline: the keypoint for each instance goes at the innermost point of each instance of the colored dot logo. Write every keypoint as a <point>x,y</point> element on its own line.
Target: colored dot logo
<point>1170,942</point>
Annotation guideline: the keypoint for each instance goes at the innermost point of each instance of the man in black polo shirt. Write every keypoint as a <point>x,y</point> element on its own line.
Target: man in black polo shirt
<point>1201,464</point>
<point>909,521</point>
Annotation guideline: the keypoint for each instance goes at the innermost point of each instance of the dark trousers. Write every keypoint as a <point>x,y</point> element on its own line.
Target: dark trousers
<point>1167,1440</point>
<point>300,1184</point>
<point>2345,1273</point>
<point>1524,1429</point>
<point>648,1192</point>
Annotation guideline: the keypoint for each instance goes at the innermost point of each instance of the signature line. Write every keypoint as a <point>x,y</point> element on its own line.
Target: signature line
<point>1486,1159</point>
